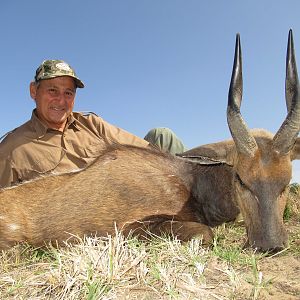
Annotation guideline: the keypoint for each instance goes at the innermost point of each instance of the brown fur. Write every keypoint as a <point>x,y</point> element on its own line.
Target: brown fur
<point>124,186</point>
<point>257,185</point>
<point>143,190</point>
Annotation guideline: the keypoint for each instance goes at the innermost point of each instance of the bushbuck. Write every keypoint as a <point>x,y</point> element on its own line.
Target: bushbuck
<point>145,191</point>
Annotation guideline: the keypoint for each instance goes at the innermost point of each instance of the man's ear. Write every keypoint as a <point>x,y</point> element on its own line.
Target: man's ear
<point>33,89</point>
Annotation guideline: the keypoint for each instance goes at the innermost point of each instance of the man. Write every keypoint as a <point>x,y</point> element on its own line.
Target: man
<point>56,139</point>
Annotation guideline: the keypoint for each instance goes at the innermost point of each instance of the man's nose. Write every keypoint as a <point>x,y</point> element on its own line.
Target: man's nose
<point>61,97</point>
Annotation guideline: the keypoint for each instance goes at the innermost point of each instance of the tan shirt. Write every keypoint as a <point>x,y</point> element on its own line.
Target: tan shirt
<point>34,149</point>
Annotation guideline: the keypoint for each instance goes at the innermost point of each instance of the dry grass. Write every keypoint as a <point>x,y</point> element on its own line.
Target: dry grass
<point>163,268</point>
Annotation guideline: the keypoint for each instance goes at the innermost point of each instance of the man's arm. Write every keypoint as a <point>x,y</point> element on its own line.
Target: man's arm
<point>115,134</point>
<point>7,173</point>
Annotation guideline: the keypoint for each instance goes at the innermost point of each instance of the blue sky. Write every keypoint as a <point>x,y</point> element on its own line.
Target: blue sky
<point>152,63</point>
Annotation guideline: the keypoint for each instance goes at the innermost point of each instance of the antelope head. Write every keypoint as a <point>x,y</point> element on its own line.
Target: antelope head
<point>262,163</point>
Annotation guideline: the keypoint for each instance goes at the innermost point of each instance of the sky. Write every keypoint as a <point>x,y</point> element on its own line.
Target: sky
<point>153,63</point>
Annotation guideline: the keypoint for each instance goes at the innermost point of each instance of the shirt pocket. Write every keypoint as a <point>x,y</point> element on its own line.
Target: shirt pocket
<point>38,161</point>
<point>91,149</point>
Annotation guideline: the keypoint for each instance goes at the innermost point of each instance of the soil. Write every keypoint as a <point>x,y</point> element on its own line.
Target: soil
<point>280,275</point>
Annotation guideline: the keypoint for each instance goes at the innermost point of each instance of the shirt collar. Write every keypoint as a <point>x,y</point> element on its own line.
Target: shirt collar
<point>41,128</point>
<point>38,126</point>
<point>72,122</point>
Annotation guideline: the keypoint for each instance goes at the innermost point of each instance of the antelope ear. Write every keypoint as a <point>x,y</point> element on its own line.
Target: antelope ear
<point>216,153</point>
<point>295,154</point>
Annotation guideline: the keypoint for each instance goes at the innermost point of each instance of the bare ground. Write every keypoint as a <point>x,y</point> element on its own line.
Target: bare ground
<point>274,278</point>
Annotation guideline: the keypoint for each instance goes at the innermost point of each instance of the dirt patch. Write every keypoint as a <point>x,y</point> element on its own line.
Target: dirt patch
<point>268,278</point>
<point>281,276</point>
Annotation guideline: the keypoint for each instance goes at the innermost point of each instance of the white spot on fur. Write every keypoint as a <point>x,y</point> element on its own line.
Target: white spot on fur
<point>13,227</point>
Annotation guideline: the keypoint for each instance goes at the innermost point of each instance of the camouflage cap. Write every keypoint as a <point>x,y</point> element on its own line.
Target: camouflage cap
<point>56,68</point>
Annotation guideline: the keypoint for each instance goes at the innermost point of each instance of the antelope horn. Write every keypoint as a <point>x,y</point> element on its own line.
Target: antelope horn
<point>244,141</point>
<point>286,136</point>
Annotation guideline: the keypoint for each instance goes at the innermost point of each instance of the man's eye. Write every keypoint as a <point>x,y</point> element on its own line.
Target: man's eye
<point>52,91</point>
<point>69,93</point>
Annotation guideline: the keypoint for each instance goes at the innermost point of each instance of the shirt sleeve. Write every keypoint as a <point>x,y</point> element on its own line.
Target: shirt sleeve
<point>7,174</point>
<point>115,134</point>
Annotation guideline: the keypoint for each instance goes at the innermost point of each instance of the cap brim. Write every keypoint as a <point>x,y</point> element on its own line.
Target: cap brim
<point>78,82</point>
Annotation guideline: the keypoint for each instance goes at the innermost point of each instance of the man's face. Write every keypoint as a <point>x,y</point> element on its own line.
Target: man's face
<point>54,100</point>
